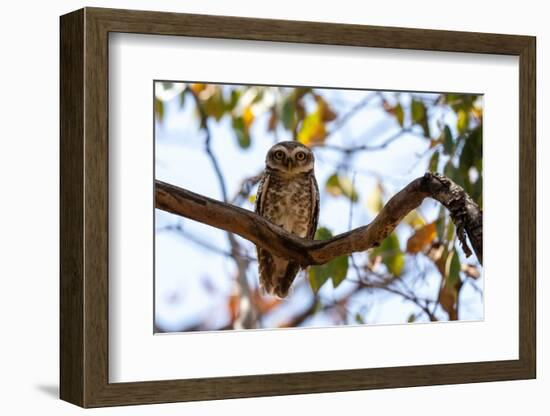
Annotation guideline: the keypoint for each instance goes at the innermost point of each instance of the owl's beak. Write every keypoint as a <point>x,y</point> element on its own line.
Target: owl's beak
<point>289,165</point>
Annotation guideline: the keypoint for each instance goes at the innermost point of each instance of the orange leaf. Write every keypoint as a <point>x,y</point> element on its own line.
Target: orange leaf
<point>327,113</point>
<point>264,304</point>
<point>447,300</point>
<point>422,238</point>
<point>273,119</point>
<point>197,88</point>
<point>233,304</point>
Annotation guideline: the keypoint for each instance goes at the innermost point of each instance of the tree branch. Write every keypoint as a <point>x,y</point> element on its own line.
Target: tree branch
<point>365,147</point>
<point>465,213</point>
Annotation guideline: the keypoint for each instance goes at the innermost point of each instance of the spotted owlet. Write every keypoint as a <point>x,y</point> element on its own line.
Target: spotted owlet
<point>288,196</point>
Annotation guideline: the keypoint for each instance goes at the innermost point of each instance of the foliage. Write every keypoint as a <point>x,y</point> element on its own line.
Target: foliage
<point>335,270</point>
<point>450,125</point>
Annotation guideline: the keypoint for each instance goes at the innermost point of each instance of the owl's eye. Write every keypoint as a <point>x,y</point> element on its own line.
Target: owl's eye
<point>279,154</point>
<point>300,156</point>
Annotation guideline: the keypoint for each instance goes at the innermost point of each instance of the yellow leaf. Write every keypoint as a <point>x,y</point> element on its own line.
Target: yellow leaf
<point>422,238</point>
<point>463,119</point>
<point>414,219</point>
<point>198,88</point>
<point>248,117</point>
<point>341,185</point>
<point>396,111</point>
<point>374,200</point>
<point>313,129</point>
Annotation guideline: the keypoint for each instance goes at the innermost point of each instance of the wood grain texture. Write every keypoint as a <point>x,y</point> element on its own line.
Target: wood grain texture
<point>71,208</point>
<point>527,208</point>
<point>84,206</point>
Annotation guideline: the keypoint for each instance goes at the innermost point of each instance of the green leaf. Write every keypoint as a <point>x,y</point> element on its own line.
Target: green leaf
<point>454,173</point>
<point>450,231</point>
<point>448,142</point>
<point>241,132</point>
<point>434,162</point>
<point>412,318</point>
<point>452,268</point>
<point>440,224</point>
<point>477,192</point>
<point>337,185</point>
<point>317,277</point>
<point>288,116</point>
<point>419,116</point>
<point>159,110</point>
<point>332,185</point>
<point>460,101</point>
<point>233,100</point>
<point>472,151</point>
<point>336,269</point>
<point>322,233</point>
<point>399,114</point>
<point>391,254</point>
<point>462,121</point>
<point>214,106</point>
<point>418,111</point>
<point>182,98</point>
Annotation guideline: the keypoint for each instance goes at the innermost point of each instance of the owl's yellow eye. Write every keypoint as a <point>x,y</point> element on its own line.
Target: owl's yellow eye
<point>300,156</point>
<point>279,154</point>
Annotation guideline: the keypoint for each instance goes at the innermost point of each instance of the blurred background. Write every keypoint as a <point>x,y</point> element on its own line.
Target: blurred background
<point>212,139</point>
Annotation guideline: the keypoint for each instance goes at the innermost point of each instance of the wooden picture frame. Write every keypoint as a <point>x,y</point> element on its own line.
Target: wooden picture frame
<point>84,207</point>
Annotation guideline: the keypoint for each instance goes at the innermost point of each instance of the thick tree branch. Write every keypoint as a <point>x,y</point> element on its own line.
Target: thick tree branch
<point>465,213</point>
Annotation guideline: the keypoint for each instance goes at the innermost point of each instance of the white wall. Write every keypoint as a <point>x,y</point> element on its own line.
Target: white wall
<point>29,210</point>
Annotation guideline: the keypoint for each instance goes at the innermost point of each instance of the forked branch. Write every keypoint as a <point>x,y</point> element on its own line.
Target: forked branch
<point>465,213</point>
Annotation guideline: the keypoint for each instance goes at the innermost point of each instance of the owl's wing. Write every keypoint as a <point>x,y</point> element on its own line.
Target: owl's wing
<point>262,188</point>
<point>265,260</point>
<point>314,218</point>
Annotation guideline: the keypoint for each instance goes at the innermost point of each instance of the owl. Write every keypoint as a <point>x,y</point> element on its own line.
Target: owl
<point>288,196</point>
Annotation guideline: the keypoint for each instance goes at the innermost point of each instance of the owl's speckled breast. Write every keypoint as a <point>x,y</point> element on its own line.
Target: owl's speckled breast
<point>289,201</point>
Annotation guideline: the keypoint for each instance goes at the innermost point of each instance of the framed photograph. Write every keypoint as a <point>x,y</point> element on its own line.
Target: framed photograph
<point>256,207</point>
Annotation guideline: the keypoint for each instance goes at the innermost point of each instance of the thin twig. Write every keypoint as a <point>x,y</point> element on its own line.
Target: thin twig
<point>247,316</point>
<point>339,123</point>
<point>208,138</point>
<point>408,296</point>
<point>365,147</point>
<point>179,230</point>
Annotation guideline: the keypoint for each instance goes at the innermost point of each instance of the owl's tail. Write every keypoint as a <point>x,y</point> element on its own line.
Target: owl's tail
<point>276,273</point>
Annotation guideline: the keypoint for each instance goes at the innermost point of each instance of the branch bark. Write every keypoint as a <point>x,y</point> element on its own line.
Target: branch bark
<point>465,213</point>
